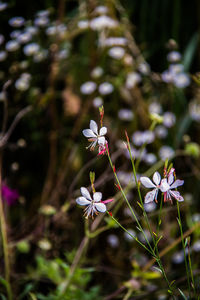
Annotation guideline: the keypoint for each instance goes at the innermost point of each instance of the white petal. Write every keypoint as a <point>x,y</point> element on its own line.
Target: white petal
<point>156,178</point>
<point>176,195</point>
<point>100,207</point>
<point>85,193</point>
<point>103,131</point>
<point>147,182</point>
<point>101,140</point>
<point>164,186</point>
<point>94,127</point>
<point>82,201</point>
<point>97,196</point>
<point>170,178</point>
<point>88,133</point>
<point>177,183</point>
<point>150,196</point>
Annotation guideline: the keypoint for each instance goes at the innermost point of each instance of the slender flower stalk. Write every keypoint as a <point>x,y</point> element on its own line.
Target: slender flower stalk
<point>183,245</point>
<point>4,239</point>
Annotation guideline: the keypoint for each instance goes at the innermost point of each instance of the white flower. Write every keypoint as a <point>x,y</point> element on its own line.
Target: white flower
<point>116,52</point>
<point>105,88</point>
<point>151,196</point>
<point>174,56</point>
<point>16,21</point>
<point>93,135</point>
<point>93,206</point>
<point>3,55</point>
<point>12,45</point>
<point>166,152</point>
<point>88,87</point>
<point>83,24</point>
<point>132,79</point>
<point>31,49</point>
<point>125,114</point>
<point>169,119</point>
<point>97,102</point>
<point>168,186</point>
<point>102,22</point>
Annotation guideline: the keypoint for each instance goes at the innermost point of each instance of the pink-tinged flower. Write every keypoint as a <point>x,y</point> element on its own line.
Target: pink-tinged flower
<point>168,186</point>
<point>9,195</point>
<point>94,136</point>
<point>152,195</point>
<point>93,206</point>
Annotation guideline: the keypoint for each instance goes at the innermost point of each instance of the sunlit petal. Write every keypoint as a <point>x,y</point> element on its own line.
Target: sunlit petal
<point>101,140</point>
<point>150,196</point>
<point>103,131</point>
<point>100,207</point>
<point>89,133</point>
<point>156,178</point>
<point>147,182</point>
<point>164,186</point>
<point>94,127</point>
<point>82,201</point>
<point>97,196</point>
<point>177,183</point>
<point>85,193</point>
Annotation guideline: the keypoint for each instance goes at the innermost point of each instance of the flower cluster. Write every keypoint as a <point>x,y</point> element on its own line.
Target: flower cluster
<point>166,185</point>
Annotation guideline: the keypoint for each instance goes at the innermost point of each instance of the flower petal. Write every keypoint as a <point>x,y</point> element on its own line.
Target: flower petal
<point>88,133</point>
<point>164,186</point>
<point>103,131</point>
<point>177,183</point>
<point>85,193</point>
<point>170,178</point>
<point>176,195</point>
<point>94,127</point>
<point>101,140</point>
<point>100,207</point>
<point>82,201</point>
<point>97,196</point>
<point>156,178</point>
<point>107,201</point>
<point>147,182</point>
<point>150,196</point>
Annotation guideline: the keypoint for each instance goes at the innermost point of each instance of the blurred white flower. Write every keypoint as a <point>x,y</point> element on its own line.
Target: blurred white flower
<point>150,158</point>
<point>16,21</point>
<point>125,114</point>
<point>196,246</point>
<point>166,152</point>
<point>128,237</point>
<point>149,207</point>
<point>169,119</point>
<point>3,55</point>
<point>114,41</point>
<point>24,37</point>
<point>88,87</point>
<point>102,22</point>
<point>181,80</point>
<point>116,52</point>
<point>97,101</point>
<point>178,257</point>
<point>161,131</point>
<point>167,76</point>
<point>12,45</point>
<point>15,33</point>
<point>132,79</point>
<point>174,56</point>
<point>3,6</point>
<point>105,88</point>
<point>93,206</point>
<point>102,10</point>
<point>83,24</point>
<point>113,240</point>
<point>144,68</point>
<point>31,49</point>
<point>97,72</point>
<point>41,21</point>
<point>194,110</point>
<point>155,107</point>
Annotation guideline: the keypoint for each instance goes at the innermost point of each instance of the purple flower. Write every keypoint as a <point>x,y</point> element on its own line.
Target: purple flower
<point>9,195</point>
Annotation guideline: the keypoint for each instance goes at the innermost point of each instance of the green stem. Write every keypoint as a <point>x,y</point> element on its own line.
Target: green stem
<point>183,245</point>
<point>4,239</point>
<point>191,272</point>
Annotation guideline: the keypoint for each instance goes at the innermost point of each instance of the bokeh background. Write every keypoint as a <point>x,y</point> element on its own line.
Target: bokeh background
<point>61,61</point>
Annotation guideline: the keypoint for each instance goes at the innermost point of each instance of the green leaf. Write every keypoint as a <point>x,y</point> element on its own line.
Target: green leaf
<point>190,51</point>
